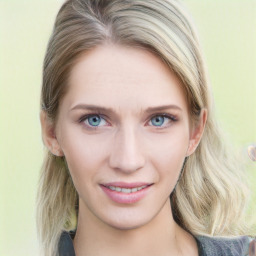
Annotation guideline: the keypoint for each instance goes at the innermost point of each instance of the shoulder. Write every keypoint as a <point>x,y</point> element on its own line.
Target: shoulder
<point>224,246</point>
<point>208,246</point>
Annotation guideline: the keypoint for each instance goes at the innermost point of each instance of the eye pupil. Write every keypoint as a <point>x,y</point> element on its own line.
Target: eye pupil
<point>94,120</point>
<point>158,121</point>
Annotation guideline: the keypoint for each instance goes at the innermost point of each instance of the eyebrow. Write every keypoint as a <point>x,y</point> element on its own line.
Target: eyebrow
<point>112,111</point>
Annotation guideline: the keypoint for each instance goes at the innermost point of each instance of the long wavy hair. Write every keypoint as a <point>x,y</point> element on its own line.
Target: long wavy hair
<point>210,197</point>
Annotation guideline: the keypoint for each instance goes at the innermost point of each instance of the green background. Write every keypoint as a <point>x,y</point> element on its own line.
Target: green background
<point>227,30</point>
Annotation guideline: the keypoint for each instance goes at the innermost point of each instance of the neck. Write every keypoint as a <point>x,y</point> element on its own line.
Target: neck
<point>161,236</point>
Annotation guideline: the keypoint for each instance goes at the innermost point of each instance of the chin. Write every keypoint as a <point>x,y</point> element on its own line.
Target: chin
<point>124,225</point>
<point>129,220</point>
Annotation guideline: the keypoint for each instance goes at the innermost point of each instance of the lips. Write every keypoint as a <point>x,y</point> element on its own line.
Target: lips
<point>126,193</point>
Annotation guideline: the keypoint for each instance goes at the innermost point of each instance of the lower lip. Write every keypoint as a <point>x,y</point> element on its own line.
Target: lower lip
<point>125,198</point>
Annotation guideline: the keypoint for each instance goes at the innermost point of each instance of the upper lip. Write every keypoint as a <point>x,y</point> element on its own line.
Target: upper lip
<point>126,184</point>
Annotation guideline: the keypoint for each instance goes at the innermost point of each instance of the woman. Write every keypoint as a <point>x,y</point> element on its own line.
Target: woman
<point>134,154</point>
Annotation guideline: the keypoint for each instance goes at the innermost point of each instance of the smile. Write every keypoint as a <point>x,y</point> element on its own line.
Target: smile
<point>126,190</point>
<point>126,193</point>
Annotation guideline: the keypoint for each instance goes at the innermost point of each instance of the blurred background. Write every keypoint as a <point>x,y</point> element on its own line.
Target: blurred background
<point>227,30</point>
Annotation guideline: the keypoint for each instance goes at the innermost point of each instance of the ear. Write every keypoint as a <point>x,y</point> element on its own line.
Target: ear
<point>48,135</point>
<point>197,132</point>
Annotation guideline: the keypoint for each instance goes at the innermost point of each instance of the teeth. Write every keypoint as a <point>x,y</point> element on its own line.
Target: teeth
<point>126,190</point>
<point>117,189</point>
<point>134,189</point>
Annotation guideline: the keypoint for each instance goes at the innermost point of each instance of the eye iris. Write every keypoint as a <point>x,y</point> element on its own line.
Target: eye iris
<point>94,120</point>
<point>158,121</point>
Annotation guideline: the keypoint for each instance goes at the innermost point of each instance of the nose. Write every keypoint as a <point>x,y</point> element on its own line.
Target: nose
<point>126,155</point>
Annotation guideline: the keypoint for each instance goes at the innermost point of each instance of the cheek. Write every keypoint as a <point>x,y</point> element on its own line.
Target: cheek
<point>169,154</point>
<point>84,154</point>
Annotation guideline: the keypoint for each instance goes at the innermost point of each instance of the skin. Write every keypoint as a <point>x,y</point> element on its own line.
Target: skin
<point>128,145</point>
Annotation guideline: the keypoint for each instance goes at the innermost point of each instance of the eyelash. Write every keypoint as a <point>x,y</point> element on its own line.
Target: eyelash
<point>171,118</point>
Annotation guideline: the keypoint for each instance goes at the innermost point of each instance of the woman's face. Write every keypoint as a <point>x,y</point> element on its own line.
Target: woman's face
<point>124,129</point>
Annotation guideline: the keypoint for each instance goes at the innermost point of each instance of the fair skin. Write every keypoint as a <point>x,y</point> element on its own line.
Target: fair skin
<point>125,149</point>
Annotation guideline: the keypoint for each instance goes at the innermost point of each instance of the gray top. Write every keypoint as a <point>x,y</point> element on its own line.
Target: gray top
<point>220,246</point>
<point>207,246</point>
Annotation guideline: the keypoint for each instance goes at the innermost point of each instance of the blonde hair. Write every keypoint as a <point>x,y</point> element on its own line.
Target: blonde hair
<point>210,198</point>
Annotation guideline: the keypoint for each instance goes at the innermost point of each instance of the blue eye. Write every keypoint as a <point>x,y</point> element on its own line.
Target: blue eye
<point>159,120</point>
<point>93,120</point>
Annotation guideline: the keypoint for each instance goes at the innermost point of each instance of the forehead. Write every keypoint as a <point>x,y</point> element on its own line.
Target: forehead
<point>123,78</point>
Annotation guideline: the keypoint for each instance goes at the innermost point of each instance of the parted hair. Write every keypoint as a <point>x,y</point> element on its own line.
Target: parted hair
<point>210,197</point>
